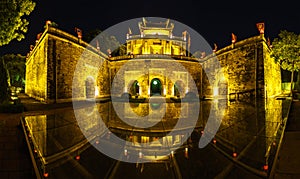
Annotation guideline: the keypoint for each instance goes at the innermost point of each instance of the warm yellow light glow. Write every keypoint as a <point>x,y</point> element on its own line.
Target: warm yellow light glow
<point>96,91</point>
<point>222,78</point>
<point>153,44</point>
<point>140,154</point>
<point>187,90</point>
<point>216,91</point>
<point>14,98</point>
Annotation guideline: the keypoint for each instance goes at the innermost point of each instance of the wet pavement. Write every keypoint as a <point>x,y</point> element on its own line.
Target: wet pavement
<point>14,156</point>
<point>15,159</point>
<point>288,163</point>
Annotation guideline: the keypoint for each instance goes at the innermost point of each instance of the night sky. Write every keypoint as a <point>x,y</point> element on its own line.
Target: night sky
<point>215,21</point>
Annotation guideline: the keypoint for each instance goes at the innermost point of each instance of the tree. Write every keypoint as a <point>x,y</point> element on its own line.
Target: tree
<point>12,17</point>
<point>15,66</point>
<point>3,81</point>
<point>286,52</point>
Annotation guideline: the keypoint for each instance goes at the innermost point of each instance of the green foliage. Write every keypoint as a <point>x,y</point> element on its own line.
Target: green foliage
<point>3,83</point>
<point>13,24</point>
<point>286,50</point>
<point>15,66</point>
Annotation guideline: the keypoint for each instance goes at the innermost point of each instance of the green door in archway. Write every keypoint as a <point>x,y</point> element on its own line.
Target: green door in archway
<point>155,87</point>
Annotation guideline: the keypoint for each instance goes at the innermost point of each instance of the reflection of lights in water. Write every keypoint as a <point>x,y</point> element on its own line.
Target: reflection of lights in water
<point>186,152</point>
<point>214,141</point>
<point>46,175</point>
<point>155,105</point>
<point>266,167</point>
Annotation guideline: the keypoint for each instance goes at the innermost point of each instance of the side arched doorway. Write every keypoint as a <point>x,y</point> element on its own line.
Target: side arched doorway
<point>156,87</point>
<point>178,88</point>
<point>90,87</point>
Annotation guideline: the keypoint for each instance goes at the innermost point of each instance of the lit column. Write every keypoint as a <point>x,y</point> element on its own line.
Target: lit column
<point>96,91</point>
<point>216,91</point>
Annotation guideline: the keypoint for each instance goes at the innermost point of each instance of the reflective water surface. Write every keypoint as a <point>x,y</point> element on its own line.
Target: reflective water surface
<point>66,145</point>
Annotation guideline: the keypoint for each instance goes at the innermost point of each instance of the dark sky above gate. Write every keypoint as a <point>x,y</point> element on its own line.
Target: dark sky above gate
<point>214,20</point>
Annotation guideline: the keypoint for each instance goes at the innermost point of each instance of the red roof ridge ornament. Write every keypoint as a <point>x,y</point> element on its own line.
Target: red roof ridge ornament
<point>261,27</point>
<point>79,32</point>
<point>233,38</point>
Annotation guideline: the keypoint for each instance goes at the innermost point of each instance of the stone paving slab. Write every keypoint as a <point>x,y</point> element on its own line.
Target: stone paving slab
<point>14,157</point>
<point>15,160</point>
<point>288,163</point>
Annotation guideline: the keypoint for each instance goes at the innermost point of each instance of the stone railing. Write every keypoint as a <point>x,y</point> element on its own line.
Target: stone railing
<point>153,56</point>
<point>156,37</point>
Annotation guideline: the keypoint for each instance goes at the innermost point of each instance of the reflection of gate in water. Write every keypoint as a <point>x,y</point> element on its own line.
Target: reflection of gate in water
<point>90,87</point>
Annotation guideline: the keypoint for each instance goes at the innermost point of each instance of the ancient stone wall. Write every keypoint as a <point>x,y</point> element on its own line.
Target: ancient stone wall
<point>168,71</point>
<point>60,60</point>
<point>36,70</point>
<point>244,67</point>
<point>51,65</point>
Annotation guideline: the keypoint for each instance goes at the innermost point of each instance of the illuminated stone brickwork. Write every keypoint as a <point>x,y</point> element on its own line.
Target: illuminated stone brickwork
<point>247,68</point>
<point>156,63</point>
<point>156,38</point>
<point>51,64</point>
<point>167,70</point>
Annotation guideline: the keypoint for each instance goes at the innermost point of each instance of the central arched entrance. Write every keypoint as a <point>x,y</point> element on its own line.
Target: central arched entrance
<point>155,87</point>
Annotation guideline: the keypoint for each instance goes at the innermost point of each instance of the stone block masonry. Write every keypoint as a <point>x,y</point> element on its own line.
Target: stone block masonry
<point>50,67</point>
<point>244,69</point>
